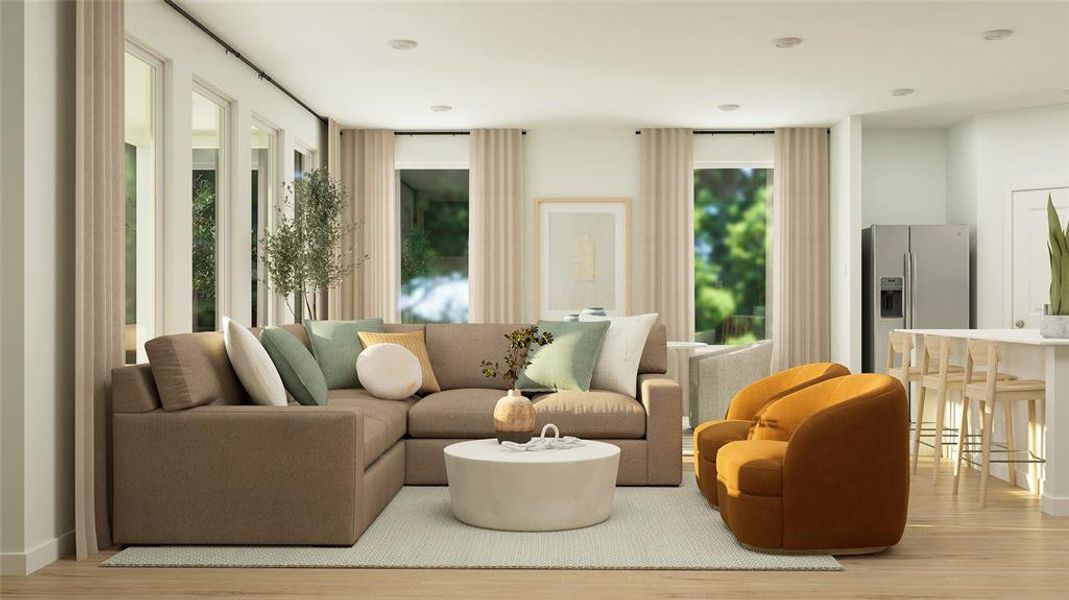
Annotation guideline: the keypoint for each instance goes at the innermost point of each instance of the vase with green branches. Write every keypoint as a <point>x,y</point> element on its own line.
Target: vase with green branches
<point>1054,322</point>
<point>303,254</point>
<point>514,415</point>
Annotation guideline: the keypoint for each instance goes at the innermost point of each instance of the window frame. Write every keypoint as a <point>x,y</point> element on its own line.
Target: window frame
<point>224,195</point>
<point>159,117</point>
<point>270,305</point>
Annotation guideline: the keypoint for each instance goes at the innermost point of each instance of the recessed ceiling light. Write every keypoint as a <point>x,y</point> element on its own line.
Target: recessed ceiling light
<point>729,107</point>
<point>441,108</point>
<point>993,35</point>
<point>786,42</point>
<point>898,92</point>
<point>403,44</point>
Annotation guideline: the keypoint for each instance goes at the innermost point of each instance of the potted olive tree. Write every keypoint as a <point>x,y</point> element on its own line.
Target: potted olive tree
<point>514,415</point>
<point>1054,323</point>
<point>303,254</point>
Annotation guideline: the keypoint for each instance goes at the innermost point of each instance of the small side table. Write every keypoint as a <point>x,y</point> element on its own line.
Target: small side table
<point>679,354</point>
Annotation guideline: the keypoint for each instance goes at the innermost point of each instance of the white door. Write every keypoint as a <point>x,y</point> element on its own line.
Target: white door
<point>1031,263</point>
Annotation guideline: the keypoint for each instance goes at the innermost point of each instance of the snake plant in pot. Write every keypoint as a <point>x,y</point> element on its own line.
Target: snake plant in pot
<point>1055,320</point>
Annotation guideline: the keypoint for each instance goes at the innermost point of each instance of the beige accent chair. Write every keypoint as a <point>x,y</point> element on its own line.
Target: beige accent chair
<point>718,375</point>
<point>223,471</point>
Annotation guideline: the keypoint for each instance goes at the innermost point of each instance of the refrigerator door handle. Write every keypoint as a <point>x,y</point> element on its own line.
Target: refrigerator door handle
<point>907,293</point>
<point>913,289</point>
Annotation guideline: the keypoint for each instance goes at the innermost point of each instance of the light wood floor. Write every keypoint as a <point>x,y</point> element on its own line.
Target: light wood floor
<point>951,549</point>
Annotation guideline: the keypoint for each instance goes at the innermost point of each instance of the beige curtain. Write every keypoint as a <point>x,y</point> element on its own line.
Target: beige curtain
<point>367,172</point>
<point>800,320</point>
<point>667,215</point>
<point>98,248</point>
<point>495,263</point>
<point>333,165</point>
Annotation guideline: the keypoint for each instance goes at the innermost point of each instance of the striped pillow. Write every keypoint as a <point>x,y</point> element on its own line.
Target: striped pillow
<point>415,342</point>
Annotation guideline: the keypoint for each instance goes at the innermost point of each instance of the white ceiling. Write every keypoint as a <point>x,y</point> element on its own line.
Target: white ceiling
<point>502,63</point>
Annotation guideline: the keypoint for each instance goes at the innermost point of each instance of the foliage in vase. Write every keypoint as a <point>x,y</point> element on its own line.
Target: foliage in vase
<point>517,356</point>
<point>1058,248</point>
<point>303,253</point>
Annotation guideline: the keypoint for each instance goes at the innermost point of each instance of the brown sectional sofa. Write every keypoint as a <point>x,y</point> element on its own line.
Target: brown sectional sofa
<point>227,472</point>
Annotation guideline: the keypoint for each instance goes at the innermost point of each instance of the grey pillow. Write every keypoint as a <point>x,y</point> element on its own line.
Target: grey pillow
<point>336,345</point>
<point>568,363</point>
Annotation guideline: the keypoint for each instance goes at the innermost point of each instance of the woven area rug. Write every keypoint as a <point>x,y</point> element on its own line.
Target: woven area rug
<point>651,528</point>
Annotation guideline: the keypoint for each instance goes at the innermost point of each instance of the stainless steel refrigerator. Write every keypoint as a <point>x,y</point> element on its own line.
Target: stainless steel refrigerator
<point>912,277</point>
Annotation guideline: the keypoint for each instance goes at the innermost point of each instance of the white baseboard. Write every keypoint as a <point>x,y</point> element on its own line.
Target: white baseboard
<point>24,563</point>
<point>1051,505</point>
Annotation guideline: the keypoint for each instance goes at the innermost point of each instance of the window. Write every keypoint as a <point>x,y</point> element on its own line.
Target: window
<point>300,164</point>
<point>434,245</point>
<point>262,195</point>
<point>208,184</point>
<point>142,86</point>
<point>730,246</point>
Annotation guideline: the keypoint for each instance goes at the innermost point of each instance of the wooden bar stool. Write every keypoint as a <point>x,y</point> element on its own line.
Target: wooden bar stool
<point>988,389</point>
<point>941,377</point>
<point>900,352</point>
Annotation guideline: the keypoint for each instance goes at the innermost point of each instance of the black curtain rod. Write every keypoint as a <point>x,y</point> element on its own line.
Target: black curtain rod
<point>230,50</point>
<point>454,132</point>
<point>726,132</point>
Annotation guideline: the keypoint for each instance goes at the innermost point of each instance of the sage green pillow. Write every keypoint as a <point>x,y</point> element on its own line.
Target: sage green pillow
<point>299,371</point>
<point>336,345</point>
<point>568,363</point>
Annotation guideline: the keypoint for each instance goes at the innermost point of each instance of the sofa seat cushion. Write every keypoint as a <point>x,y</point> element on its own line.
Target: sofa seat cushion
<point>384,420</point>
<point>595,414</point>
<point>753,467</point>
<point>466,413</point>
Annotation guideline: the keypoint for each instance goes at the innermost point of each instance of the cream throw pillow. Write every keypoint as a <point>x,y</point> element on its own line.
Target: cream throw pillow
<point>253,365</point>
<point>413,341</point>
<point>621,352</point>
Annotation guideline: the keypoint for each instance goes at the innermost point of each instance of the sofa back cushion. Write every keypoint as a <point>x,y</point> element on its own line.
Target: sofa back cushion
<point>655,354</point>
<point>192,369</point>
<point>457,349</point>
<point>133,389</point>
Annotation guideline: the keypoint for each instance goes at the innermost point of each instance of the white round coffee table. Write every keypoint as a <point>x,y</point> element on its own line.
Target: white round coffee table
<point>493,487</point>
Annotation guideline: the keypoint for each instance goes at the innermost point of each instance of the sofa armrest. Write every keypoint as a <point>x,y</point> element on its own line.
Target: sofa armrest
<point>238,475</point>
<point>662,398</point>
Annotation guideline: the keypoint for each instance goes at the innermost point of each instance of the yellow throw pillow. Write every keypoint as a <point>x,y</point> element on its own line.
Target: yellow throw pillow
<point>415,342</point>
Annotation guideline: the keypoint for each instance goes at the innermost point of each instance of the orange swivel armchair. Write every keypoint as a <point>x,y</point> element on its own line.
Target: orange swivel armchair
<point>826,469</point>
<point>743,412</point>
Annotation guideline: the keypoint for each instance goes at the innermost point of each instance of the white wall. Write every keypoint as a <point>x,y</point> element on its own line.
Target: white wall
<point>189,54</point>
<point>990,155</point>
<point>578,162</point>
<point>37,261</point>
<point>845,256</point>
<point>905,173</point>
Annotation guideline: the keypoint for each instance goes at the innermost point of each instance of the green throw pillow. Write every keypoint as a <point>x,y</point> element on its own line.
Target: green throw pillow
<point>567,363</point>
<point>336,346</point>
<point>299,372</point>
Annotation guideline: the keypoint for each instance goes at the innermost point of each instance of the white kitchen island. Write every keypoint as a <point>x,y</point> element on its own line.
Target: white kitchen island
<point>1031,356</point>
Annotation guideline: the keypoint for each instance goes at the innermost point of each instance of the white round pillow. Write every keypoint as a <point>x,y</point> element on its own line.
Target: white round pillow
<point>389,371</point>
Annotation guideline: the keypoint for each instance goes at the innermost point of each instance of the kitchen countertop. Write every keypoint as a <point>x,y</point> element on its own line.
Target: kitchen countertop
<point>1028,337</point>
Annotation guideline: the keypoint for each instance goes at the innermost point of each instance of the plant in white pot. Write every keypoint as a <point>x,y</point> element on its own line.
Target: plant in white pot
<point>514,415</point>
<point>1055,320</point>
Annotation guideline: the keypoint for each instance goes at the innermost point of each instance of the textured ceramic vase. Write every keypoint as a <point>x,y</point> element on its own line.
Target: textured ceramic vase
<point>514,418</point>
